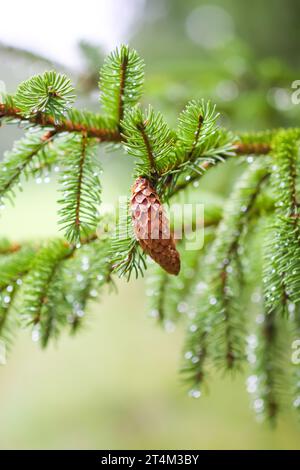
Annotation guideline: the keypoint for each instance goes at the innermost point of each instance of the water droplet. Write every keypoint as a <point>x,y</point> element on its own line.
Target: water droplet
<point>70,298</point>
<point>35,335</point>
<point>255,297</point>
<point>296,402</point>
<point>252,341</point>
<point>188,355</point>
<point>252,383</point>
<point>201,286</point>
<point>154,313</point>
<point>85,263</point>
<point>191,314</point>
<point>258,405</point>
<point>213,300</point>
<point>6,299</point>
<point>291,308</point>
<point>10,288</point>
<point>182,307</point>
<point>195,393</point>
<point>251,358</point>
<point>169,326</point>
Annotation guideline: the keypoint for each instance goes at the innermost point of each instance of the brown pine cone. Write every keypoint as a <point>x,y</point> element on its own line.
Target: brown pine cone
<point>151,226</point>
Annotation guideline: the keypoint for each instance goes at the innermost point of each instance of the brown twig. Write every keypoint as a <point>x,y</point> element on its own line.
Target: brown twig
<point>10,248</point>
<point>80,176</point>
<point>122,87</point>
<point>141,128</point>
<point>13,247</point>
<point>254,148</point>
<point>109,135</point>
<point>43,120</point>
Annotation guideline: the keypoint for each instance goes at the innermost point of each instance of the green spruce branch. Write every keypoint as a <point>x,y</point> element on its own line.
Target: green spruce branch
<point>48,286</point>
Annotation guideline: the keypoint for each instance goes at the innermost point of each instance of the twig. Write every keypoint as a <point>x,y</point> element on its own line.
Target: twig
<point>44,120</point>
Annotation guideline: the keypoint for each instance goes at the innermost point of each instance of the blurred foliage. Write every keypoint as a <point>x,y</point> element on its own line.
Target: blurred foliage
<point>249,77</point>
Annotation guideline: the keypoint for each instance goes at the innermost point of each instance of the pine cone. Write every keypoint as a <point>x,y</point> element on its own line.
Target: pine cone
<point>151,226</point>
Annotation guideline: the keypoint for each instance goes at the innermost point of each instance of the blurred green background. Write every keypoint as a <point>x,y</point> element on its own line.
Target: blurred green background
<point>116,384</point>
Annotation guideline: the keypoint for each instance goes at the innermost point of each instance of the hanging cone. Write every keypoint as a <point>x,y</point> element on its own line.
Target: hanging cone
<point>151,226</point>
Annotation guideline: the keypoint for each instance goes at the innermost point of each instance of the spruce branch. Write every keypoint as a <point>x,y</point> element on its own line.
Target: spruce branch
<point>223,146</point>
<point>61,279</point>
<point>170,297</point>
<point>93,269</point>
<point>126,254</point>
<point>13,267</point>
<point>95,126</point>
<point>53,283</point>
<point>148,139</point>
<point>219,322</point>
<point>189,180</point>
<point>121,82</point>
<point>198,132</point>
<point>269,382</point>
<point>50,93</point>
<point>46,264</point>
<point>102,128</point>
<point>228,325</point>
<point>294,314</point>
<point>282,268</point>
<point>80,188</point>
<point>199,145</point>
<point>8,318</point>
<point>197,125</point>
<point>22,160</point>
